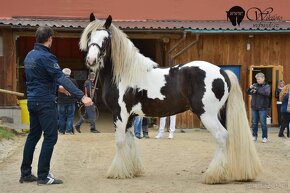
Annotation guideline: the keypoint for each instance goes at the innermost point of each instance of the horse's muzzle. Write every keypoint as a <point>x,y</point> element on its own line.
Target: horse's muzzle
<point>91,61</point>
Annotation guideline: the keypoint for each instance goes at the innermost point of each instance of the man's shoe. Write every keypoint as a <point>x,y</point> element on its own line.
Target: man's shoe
<point>146,136</point>
<point>61,132</point>
<point>254,138</point>
<point>30,178</point>
<point>282,136</point>
<point>95,131</point>
<point>170,136</point>
<point>78,129</point>
<point>159,136</point>
<point>264,140</point>
<point>49,180</point>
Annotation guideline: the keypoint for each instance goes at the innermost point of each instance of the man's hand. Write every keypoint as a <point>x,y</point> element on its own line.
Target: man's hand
<point>87,101</point>
<point>253,86</point>
<point>63,90</point>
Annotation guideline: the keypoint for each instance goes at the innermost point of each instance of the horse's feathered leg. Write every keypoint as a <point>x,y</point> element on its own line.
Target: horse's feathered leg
<point>126,163</point>
<point>217,170</point>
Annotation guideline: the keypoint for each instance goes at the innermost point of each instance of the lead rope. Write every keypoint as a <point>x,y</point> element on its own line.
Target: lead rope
<point>95,86</point>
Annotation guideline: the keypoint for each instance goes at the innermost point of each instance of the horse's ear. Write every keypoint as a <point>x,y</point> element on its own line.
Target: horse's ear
<point>92,17</point>
<point>108,22</point>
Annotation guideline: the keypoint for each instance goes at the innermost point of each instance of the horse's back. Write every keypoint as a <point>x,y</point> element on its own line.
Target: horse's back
<point>203,65</point>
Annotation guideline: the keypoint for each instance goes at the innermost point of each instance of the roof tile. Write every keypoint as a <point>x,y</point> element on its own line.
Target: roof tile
<point>80,23</point>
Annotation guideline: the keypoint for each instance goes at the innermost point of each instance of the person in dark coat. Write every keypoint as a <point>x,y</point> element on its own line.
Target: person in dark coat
<point>90,112</point>
<point>260,92</point>
<point>66,105</point>
<point>277,92</point>
<point>43,75</point>
<point>285,110</point>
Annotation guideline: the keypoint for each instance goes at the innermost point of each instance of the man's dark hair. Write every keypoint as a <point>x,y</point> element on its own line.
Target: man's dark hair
<point>43,33</point>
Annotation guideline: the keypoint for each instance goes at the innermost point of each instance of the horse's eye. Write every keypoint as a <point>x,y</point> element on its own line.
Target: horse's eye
<point>89,35</point>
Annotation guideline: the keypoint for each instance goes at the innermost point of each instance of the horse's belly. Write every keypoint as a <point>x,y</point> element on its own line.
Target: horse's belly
<point>164,108</point>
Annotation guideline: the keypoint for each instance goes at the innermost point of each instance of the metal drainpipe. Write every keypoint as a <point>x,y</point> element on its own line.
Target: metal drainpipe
<point>187,47</point>
<point>170,60</point>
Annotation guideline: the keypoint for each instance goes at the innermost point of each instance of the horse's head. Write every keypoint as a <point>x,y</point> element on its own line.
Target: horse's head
<point>107,44</point>
<point>98,45</point>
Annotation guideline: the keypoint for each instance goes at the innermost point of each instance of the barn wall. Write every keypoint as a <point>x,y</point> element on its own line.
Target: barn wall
<point>230,49</point>
<point>8,68</point>
<point>220,49</point>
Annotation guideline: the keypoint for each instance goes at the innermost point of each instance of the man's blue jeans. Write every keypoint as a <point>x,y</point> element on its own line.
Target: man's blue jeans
<point>66,114</point>
<point>43,118</point>
<point>137,126</point>
<point>90,114</point>
<point>259,115</point>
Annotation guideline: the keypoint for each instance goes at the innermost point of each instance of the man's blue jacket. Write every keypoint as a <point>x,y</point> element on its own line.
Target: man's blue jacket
<point>43,75</point>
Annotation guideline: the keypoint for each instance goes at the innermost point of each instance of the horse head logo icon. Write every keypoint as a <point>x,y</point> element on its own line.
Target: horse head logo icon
<point>236,15</point>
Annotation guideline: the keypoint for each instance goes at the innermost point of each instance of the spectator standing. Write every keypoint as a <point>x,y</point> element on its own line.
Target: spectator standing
<point>260,93</point>
<point>66,107</point>
<point>285,110</point>
<point>277,92</point>
<point>141,123</point>
<point>90,111</point>
<point>162,127</point>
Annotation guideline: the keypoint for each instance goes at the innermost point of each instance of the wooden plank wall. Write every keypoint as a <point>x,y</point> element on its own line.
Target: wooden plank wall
<point>66,50</point>
<point>230,49</point>
<point>8,68</point>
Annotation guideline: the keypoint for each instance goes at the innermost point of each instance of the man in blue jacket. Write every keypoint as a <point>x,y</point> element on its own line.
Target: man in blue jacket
<point>43,75</point>
<point>260,92</point>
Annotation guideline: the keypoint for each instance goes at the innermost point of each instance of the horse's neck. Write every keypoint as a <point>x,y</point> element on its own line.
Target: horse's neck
<point>106,74</point>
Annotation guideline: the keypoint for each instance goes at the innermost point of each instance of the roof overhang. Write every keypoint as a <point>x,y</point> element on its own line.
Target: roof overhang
<point>78,24</point>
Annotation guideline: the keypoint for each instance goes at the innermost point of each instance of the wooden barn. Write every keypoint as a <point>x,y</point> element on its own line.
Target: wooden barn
<point>254,45</point>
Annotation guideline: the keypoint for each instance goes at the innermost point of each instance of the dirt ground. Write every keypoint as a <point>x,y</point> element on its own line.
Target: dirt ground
<point>171,166</point>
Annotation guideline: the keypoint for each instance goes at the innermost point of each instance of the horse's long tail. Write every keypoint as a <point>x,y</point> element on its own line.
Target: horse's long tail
<point>243,161</point>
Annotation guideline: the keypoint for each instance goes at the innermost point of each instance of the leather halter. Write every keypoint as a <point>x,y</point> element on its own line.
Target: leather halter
<point>102,51</point>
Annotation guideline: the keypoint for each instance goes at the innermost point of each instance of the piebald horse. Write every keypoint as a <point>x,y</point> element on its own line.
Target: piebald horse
<point>132,85</point>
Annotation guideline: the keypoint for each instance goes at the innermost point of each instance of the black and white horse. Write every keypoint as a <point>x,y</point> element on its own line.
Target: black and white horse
<point>132,84</point>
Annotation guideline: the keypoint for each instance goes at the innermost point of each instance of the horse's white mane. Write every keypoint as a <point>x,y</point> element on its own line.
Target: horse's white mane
<point>129,65</point>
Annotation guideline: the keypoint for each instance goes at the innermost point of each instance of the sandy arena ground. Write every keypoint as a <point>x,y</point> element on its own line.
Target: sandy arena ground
<point>171,166</point>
